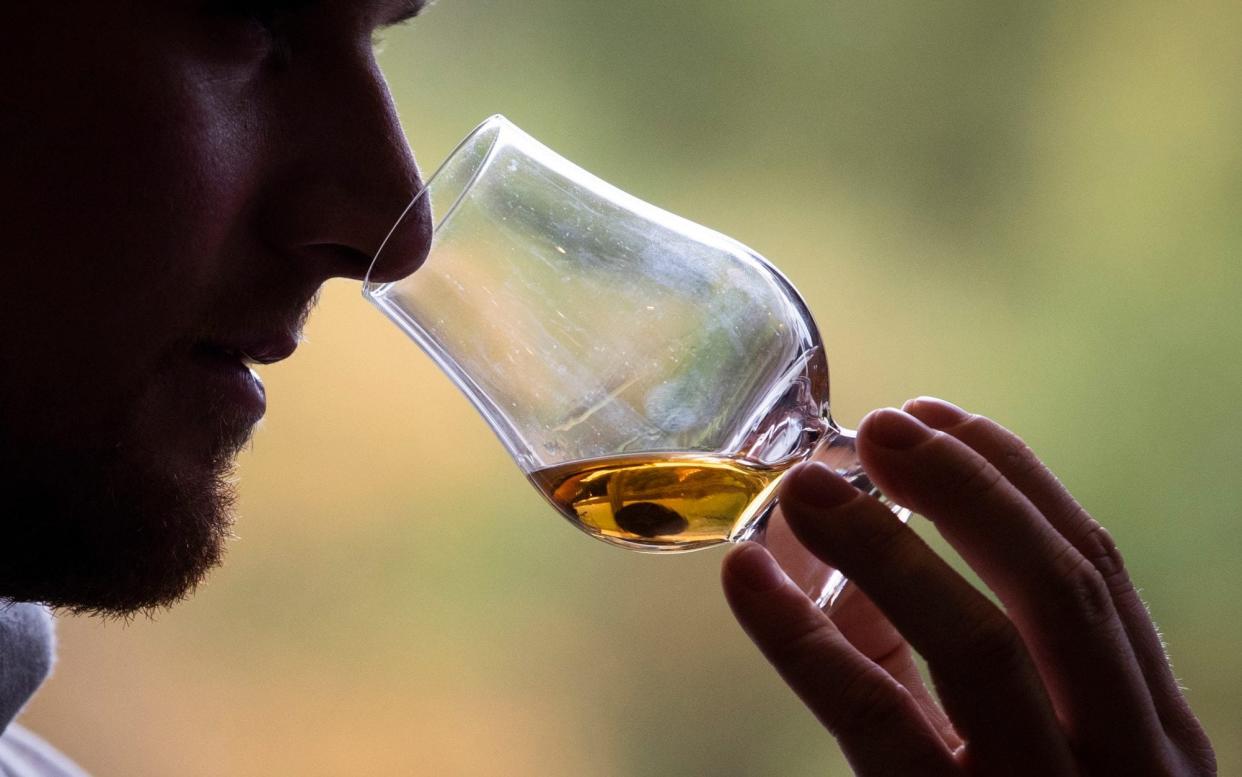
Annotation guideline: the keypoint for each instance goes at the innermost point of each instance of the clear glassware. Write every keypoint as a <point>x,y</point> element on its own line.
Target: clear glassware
<point>653,378</point>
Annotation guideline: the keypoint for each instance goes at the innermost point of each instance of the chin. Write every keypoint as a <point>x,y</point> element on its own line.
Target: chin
<point>112,535</point>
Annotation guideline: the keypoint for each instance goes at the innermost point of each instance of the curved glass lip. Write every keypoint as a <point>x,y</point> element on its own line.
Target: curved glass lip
<point>497,121</point>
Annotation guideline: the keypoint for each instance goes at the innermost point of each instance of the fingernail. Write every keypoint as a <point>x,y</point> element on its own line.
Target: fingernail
<point>815,484</point>
<point>755,569</point>
<point>890,428</point>
<point>936,413</point>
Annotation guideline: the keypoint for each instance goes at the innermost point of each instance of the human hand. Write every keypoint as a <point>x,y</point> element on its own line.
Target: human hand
<point>1069,679</point>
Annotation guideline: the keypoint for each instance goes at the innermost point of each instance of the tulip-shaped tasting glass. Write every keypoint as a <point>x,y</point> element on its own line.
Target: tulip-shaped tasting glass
<point>653,378</point>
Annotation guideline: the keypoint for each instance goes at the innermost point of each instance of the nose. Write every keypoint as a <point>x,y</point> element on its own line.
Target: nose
<point>347,177</point>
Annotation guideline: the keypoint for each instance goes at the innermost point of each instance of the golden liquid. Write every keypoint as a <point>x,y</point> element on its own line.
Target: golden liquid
<point>660,501</point>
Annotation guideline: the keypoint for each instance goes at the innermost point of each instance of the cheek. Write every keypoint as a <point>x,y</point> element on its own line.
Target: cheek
<point>178,201</point>
<point>130,191</point>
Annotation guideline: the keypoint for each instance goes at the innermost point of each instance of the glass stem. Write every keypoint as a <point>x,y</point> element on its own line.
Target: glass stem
<point>821,582</point>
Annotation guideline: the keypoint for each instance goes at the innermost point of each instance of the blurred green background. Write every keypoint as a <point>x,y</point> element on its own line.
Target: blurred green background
<point>1032,208</point>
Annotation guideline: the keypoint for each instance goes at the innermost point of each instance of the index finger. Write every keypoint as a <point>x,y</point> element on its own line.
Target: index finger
<point>878,723</point>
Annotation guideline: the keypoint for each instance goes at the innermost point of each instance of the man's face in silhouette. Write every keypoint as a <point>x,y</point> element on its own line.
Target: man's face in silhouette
<point>178,179</point>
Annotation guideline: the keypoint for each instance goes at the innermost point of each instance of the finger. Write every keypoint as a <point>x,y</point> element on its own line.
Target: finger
<point>873,635</point>
<point>878,724</point>
<point>986,679</point>
<point>1019,465</point>
<point>1056,598</point>
<point>857,618</point>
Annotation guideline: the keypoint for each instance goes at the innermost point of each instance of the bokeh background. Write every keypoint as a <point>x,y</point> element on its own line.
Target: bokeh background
<point>1033,208</point>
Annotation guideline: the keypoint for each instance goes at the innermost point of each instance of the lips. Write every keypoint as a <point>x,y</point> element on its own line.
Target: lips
<point>225,381</point>
<point>228,382</point>
<point>257,350</point>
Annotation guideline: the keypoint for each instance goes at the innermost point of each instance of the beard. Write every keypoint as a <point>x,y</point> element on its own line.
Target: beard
<point>113,533</point>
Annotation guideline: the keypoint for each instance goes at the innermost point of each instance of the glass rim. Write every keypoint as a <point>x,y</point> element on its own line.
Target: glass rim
<point>497,121</point>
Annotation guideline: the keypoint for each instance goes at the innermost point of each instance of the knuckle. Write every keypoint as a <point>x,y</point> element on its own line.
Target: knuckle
<point>869,700</point>
<point>801,652</point>
<point>994,644</point>
<point>875,540</point>
<point>864,697</point>
<point>982,433</point>
<point>1098,547</point>
<point>1018,456</point>
<point>1070,518</point>
<point>974,479</point>
<point>1084,592</point>
<point>880,534</point>
<point>1203,758</point>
